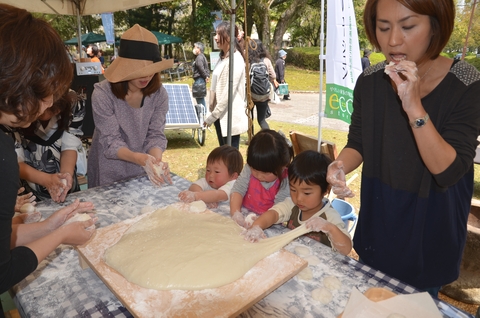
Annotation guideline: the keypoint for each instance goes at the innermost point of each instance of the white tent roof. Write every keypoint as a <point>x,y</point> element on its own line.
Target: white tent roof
<point>87,7</point>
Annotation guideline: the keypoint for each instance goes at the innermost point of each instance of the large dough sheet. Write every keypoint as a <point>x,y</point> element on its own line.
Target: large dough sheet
<point>228,300</point>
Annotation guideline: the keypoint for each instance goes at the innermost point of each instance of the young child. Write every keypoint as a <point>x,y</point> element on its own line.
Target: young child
<point>47,160</point>
<point>224,164</point>
<point>263,181</point>
<point>308,187</point>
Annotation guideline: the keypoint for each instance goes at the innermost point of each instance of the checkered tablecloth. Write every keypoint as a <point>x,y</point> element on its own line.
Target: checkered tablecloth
<point>60,288</point>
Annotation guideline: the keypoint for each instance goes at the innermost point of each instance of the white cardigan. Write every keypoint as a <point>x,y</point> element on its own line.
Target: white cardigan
<point>219,96</point>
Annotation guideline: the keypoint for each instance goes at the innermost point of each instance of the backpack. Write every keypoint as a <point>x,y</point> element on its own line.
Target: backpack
<point>259,82</point>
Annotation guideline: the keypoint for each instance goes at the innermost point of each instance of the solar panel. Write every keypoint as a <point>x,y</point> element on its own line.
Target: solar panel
<point>181,113</point>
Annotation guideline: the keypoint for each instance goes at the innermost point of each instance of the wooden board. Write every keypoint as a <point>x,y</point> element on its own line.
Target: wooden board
<point>229,300</point>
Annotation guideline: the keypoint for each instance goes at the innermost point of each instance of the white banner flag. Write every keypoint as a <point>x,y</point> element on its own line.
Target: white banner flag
<point>342,59</point>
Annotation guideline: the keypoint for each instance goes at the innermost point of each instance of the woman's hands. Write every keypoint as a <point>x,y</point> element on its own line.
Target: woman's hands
<point>157,171</point>
<point>59,217</point>
<point>336,178</point>
<point>406,78</point>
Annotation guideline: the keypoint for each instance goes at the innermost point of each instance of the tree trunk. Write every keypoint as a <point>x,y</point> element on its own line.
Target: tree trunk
<point>292,11</point>
<point>192,22</point>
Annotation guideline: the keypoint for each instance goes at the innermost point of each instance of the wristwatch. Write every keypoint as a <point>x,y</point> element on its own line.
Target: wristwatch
<point>420,122</point>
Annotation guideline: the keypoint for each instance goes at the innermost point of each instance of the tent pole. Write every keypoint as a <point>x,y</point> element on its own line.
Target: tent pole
<point>79,33</point>
<point>184,55</point>
<point>230,74</point>
<point>321,58</point>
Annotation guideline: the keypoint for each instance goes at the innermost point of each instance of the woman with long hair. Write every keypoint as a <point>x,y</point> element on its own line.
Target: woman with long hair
<point>219,89</point>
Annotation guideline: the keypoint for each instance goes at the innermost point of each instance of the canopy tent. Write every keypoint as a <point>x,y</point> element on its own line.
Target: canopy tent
<point>163,39</point>
<point>78,7</point>
<point>87,39</point>
<point>166,38</point>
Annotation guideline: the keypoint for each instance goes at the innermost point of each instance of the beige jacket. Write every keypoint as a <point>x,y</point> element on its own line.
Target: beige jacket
<point>219,96</point>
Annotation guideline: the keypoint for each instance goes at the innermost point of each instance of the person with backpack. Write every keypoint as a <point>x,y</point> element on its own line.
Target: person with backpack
<point>262,76</point>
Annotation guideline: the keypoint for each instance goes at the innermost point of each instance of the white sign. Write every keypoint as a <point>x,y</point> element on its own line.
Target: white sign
<point>342,59</point>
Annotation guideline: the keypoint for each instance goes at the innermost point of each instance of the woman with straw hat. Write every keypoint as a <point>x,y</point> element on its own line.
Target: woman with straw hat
<point>129,110</point>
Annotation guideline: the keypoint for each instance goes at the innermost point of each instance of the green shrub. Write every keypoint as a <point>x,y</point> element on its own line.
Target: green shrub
<point>304,57</point>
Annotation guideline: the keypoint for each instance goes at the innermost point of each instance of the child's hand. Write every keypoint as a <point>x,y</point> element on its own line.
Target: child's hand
<point>317,224</point>
<point>187,196</point>
<point>239,218</point>
<point>336,177</point>
<point>253,234</point>
<point>55,186</point>
<point>212,205</point>
<point>251,217</point>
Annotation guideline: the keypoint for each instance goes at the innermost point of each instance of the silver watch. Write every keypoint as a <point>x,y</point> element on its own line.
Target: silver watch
<point>420,122</point>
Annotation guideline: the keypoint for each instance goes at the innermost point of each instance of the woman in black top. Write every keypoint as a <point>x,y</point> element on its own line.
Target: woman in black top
<point>32,77</point>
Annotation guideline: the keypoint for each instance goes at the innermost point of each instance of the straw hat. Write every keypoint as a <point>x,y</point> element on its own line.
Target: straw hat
<point>139,56</point>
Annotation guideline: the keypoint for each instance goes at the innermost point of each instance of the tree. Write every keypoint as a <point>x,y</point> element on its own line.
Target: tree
<point>305,31</point>
<point>288,12</point>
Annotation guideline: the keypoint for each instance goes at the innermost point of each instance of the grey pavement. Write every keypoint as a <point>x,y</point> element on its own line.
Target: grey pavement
<point>303,108</point>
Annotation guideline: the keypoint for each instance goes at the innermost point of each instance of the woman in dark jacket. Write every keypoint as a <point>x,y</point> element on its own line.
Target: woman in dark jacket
<point>201,73</point>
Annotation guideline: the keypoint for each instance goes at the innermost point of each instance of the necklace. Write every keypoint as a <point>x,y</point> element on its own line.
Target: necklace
<point>427,71</point>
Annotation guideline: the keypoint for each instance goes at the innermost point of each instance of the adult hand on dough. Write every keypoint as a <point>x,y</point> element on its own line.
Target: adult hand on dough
<point>60,216</point>
<point>253,234</point>
<point>239,218</point>
<point>151,167</point>
<point>336,177</point>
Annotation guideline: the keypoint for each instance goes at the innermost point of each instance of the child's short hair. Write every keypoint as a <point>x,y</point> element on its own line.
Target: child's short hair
<point>268,151</point>
<point>231,157</point>
<point>310,167</point>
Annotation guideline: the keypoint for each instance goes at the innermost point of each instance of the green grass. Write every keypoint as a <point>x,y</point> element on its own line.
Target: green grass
<point>187,158</point>
<point>299,80</point>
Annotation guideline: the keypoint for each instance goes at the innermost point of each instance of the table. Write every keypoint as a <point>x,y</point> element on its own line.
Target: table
<point>60,288</point>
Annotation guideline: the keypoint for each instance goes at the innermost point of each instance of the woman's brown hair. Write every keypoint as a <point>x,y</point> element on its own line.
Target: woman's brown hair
<point>442,18</point>
<point>33,64</point>
<point>223,31</point>
<point>120,89</point>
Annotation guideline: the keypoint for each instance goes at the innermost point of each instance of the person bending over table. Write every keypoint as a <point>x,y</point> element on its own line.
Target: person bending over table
<point>48,155</point>
<point>415,123</point>
<point>129,110</point>
<point>32,78</point>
